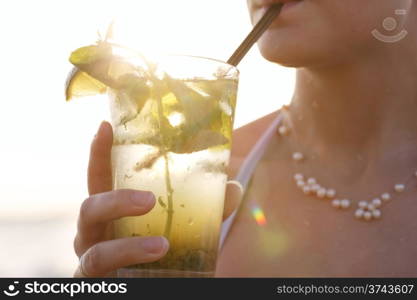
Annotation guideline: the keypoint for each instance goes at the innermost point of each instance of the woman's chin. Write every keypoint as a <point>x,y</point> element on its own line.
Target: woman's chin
<point>302,52</point>
<point>286,56</point>
<point>280,47</point>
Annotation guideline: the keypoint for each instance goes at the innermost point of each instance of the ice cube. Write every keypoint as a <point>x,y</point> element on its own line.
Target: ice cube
<point>196,88</point>
<point>122,107</point>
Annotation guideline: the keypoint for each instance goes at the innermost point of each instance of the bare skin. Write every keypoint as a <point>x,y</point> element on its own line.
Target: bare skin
<point>352,116</point>
<point>307,237</point>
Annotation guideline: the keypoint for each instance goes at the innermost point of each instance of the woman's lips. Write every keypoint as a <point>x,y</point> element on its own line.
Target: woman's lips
<point>267,3</point>
<point>287,6</point>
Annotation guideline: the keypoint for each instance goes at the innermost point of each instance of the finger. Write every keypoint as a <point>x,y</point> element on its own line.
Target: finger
<point>99,167</point>
<point>97,212</point>
<point>108,256</point>
<point>234,195</point>
<point>80,273</point>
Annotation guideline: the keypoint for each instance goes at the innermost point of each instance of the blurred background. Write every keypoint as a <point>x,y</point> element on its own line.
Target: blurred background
<point>45,141</point>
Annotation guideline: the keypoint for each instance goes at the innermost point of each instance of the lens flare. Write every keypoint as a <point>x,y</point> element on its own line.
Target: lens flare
<point>259,216</point>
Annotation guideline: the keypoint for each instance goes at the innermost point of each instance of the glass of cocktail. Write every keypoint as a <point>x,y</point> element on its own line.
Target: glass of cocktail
<point>172,121</point>
<point>174,140</point>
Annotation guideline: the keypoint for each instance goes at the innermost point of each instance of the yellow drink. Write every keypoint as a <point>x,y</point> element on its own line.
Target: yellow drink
<point>172,125</point>
<point>183,165</point>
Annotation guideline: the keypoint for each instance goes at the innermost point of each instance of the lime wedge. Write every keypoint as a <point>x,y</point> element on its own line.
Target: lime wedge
<point>80,84</point>
<point>90,54</point>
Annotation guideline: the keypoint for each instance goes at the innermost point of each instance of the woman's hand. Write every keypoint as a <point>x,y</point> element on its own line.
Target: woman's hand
<point>100,255</point>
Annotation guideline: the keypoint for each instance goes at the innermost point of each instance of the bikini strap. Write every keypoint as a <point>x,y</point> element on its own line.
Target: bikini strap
<point>246,171</point>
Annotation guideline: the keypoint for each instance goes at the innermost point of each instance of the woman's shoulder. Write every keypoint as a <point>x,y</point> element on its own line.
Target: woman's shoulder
<point>244,138</point>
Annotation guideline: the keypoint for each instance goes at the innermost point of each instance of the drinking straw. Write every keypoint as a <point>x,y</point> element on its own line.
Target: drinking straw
<point>255,34</point>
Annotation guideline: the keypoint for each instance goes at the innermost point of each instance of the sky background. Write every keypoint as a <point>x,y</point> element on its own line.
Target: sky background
<point>45,141</point>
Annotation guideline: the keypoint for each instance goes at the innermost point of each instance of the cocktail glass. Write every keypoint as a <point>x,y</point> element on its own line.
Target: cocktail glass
<point>172,136</point>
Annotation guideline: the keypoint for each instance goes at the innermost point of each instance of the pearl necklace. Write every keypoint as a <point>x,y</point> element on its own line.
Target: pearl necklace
<point>365,211</point>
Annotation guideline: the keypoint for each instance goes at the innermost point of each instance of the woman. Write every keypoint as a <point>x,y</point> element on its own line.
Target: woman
<point>337,180</point>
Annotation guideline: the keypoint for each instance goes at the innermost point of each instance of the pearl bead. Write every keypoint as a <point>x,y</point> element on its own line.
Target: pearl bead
<point>363,204</point>
<point>300,183</point>
<point>315,187</point>
<point>385,196</point>
<point>377,202</point>
<point>330,193</point>
<point>321,193</point>
<point>399,188</point>
<point>306,190</point>
<point>359,213</point>
<point>311,181</point>
<point>376,213</point>
<point>371,207</point>
<point>336,203</point>
<point>283,130</point>
<point>367,215</point>
<point>297,156</point>
<point>345,203</point>
<point>298,176</point>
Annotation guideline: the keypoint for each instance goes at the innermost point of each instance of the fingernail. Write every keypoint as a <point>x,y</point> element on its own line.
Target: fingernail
<point>99,129</point>
<point>143,199</point>
<point>155,244</point>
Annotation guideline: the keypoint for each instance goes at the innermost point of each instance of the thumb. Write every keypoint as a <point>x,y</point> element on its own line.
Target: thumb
<point>99,167</point>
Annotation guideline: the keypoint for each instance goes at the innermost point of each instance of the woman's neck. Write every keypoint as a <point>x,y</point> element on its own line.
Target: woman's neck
<point>362,111</point>
<point>360,105</point>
